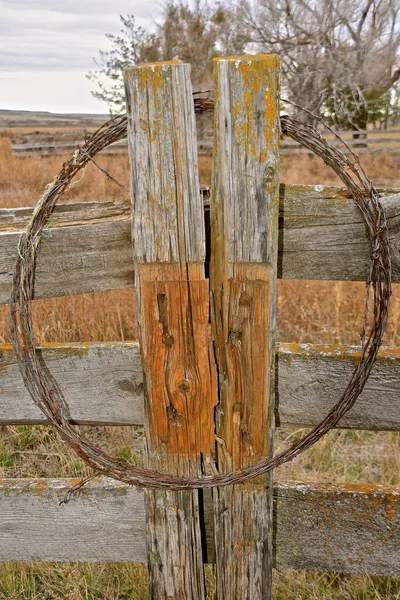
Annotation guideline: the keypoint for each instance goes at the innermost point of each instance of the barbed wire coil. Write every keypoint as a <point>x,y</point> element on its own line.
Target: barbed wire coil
<point>44,390</point>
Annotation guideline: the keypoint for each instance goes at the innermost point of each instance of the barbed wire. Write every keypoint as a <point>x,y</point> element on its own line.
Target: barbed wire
<point>44,390</point>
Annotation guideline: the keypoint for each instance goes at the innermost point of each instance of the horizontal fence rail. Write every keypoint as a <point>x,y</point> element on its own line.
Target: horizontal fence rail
<point>343,528</point>
<point>66,143</point>
<point>87,246</point>
<point>50,148</point>
<point>358,141</point>
<point>103,385</point>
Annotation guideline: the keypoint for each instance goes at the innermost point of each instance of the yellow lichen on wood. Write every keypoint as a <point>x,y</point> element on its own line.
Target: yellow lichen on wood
<point>337,351</point>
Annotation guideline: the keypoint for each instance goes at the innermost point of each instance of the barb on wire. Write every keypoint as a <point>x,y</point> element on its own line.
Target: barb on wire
<point>76,488</point>
<point>106,173</point>
<point>45,393</point>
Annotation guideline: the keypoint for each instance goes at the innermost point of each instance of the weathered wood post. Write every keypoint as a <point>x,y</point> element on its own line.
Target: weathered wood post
<point>173,312</point>
<point>244,224</point>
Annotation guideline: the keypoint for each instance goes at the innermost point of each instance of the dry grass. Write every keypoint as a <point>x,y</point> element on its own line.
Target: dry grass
<point>129,582</point>
<point>38,171</point>
<point>307,312</point>
<point>305,169</point>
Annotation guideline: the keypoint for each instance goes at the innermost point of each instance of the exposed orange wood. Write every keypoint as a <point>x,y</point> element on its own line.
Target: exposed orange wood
<point>175,348</point>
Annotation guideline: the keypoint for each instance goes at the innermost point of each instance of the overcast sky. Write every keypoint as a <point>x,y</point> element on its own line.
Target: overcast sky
<point>47,47</point>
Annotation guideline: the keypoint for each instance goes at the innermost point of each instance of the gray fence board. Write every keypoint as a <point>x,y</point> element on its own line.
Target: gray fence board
<point>103,384</point>
<point>88,245</point>
<point>349,528</point>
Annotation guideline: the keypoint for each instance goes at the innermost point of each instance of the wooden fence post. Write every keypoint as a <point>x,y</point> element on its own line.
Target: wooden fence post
<point>244,225</point>
<point>173,309</point>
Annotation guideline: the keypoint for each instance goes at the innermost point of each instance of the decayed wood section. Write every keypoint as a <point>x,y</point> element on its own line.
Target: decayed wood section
<point>87,247</point>
<point>244,245</point>
<point>349,528</point>
<point>103,385</point>
<point>173,307</point>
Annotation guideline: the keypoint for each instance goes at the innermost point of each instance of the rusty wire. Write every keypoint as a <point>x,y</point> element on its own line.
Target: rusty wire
<point>43,388</point>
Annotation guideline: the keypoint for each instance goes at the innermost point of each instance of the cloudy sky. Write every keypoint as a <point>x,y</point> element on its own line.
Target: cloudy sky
<point>47,47</point>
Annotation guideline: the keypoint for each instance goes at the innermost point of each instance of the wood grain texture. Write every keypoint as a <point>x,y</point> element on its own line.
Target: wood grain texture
<point>349,529</point>
<point>244,243</point>
<point>106,522</point>
<point>87,247</point>
<point>167,221</point>
<point>102,384</point>
<point>173,307</point>
<point>323,237</point>
<point>310,379</point>
<point>352,527</point>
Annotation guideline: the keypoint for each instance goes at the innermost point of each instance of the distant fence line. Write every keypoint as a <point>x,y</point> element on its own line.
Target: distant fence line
<point>44,144</point>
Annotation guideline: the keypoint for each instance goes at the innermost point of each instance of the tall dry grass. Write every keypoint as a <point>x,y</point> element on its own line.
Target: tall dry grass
<point>308,311</point>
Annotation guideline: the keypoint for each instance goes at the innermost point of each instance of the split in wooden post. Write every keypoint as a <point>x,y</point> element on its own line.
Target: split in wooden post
<point>173,309</point>
<point>244,232</point>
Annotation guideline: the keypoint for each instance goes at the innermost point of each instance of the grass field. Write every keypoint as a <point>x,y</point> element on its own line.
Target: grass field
<point>308,311</point>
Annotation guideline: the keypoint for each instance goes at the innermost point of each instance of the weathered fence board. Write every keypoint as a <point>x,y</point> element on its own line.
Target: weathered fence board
<point>106,522</point>
<point>243,278</point>
<point>311,378</point>
<point>173,307</point>
<point>349,528</point>
<point>88,245</point>
<point>323,236</point>
<point>103,385</point>
<point>353,528</point>
<point>87,249</point>
<point>61,148</point>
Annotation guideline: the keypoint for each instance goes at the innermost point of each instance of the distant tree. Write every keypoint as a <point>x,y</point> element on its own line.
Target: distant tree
<point>340,58</point>
<point>193,33</point>
<point>134,45</point>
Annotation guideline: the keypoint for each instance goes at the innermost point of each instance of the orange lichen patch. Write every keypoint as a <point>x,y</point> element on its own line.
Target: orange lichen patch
<point>73,215</point>
<point>371,491</point>
<point>332,351</point>
<point>255,76</point>
<point>157,64</point>
<point>327,192</point>
<point>43,487</point>
<point>76,347</point>
<point>5,348</point>
<point>81,349</point>
<point>153,74</point>
<point>273,59</point>
<point>390,513</point>
<point>154,115</point>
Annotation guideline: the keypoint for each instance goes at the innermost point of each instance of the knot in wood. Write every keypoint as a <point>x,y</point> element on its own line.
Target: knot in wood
<point>270,170</point>
<point>162,303</point>
<point>168,338</point>
<point>245,299</point>
<point>235,336</point>
<point>173,415</point>
<point>184,386</point>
